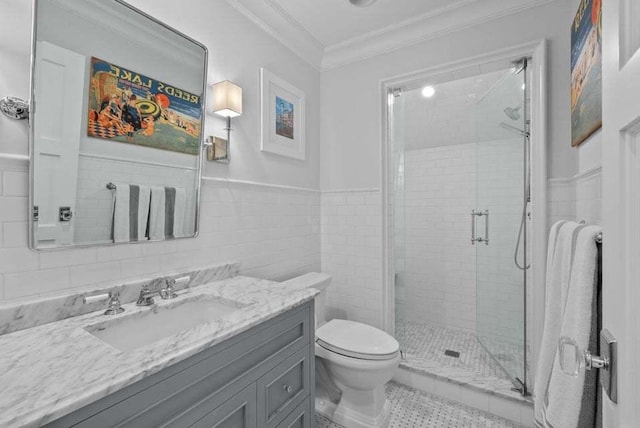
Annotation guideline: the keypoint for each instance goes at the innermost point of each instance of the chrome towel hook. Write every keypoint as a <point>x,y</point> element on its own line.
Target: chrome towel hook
<point>14,108</point>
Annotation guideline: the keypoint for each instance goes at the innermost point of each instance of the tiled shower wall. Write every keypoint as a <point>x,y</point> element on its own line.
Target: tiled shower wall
<point>443,285</point>
<point>352,254</point>
<point>440,262</point>
<point>273,231</point>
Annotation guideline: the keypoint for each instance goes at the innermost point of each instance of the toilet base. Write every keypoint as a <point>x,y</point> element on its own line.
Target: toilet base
<point>357,409</point>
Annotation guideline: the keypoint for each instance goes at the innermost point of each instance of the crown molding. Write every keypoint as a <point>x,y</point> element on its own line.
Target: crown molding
<point>276,22</point>
<point>458,17</point>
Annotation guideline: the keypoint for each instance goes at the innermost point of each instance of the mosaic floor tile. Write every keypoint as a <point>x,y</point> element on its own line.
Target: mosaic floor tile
<point>425,347</point>
<point>415,409</point>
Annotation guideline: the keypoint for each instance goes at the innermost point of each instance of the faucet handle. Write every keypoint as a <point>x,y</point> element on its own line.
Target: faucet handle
<point>167,292</point>
<point>114,307</point>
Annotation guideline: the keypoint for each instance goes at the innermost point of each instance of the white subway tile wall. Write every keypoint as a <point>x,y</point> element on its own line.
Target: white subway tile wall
<point>449,282</point>
<point>562,200</point>
<point>500,284</point>
<point>440,267</point>
<point>589,198</point>
<point>274,232</point>
<point>352,254</point>
<point>577,198</point>
<point>94,201</point>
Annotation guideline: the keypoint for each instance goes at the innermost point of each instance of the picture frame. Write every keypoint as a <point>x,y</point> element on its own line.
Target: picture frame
<point>586,71</point>
<point>282,117</point>
<point>125,106</point>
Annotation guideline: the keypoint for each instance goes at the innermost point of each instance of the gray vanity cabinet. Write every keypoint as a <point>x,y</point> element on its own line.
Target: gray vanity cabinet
<point>262,378</point>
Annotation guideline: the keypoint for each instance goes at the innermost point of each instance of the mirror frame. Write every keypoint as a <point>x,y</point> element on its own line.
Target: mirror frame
<point>31,132</point>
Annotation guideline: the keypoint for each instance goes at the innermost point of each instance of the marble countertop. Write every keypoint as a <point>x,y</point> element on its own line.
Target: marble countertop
<point>53,369</point>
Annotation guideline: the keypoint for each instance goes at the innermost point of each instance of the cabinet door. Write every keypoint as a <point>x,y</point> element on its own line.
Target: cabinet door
<point>301,417</point>
<point>237,412</point>
<point>283,389</point>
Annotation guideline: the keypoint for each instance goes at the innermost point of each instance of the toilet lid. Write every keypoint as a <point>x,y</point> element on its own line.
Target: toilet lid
<point>356,340</point>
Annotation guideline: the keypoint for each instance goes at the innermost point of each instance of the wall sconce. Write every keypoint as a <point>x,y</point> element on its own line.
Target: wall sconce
<point>227,102</point>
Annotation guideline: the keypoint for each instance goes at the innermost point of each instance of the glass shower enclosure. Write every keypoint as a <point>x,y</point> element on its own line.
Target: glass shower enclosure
<point>502,194</point>
<point>495,220</point>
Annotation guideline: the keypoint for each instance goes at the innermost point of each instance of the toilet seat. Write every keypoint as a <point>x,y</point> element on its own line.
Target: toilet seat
<point>357,340</point>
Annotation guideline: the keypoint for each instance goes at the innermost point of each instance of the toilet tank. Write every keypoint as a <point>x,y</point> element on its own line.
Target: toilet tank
<point>319,281</point>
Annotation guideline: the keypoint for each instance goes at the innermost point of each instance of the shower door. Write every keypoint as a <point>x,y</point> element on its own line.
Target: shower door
<point>500,223</point>
<point>396,131</point>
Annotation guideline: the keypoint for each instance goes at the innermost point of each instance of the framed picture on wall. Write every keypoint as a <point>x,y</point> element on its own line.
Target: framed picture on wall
<point>586,71</point>
<point>129,107</point>
<point>282,117</point>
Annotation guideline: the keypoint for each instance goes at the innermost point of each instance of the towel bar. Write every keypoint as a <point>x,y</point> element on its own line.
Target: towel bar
<point>111,186</point>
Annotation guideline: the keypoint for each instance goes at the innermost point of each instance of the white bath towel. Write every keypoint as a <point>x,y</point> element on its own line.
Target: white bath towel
<point>130,212</point>
<point>571,401</point>
<point>179,213</point>
<point>120,225</point>
<point>157,213</point>
<point>559,253</point>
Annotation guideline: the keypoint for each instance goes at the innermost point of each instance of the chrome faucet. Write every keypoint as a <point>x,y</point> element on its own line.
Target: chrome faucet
<point>146,295</point>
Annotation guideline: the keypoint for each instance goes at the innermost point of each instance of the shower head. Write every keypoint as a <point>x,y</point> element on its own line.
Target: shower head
<point>512,113</point>
<point>512,128</point>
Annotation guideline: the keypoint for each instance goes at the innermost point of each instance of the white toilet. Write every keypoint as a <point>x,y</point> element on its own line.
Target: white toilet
<point>360,360</point>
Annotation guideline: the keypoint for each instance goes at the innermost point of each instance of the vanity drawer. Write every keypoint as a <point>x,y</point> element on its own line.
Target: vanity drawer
<point>212,377</point>
<point>283,388</point>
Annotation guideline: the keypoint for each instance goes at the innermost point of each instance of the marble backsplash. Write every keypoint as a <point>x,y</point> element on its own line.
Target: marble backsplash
<point>20,316</point>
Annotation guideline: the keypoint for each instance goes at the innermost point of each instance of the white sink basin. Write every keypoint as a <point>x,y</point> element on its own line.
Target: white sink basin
<point>157,322</point>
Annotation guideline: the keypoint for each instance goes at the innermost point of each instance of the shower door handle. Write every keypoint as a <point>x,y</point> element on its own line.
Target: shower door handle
<point>475,238</point>
<point>473,227</point>
<point>486,227</point>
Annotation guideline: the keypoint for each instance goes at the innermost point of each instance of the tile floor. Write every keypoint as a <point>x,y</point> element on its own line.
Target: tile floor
<point>415,409</point>
<point>425,347</point>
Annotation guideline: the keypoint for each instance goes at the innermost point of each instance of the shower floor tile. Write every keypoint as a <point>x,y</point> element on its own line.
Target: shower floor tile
<point>415,409</point>
<point>425,347</point>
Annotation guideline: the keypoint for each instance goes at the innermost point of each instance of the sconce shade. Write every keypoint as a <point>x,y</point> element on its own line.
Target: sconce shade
<point>227,99</point>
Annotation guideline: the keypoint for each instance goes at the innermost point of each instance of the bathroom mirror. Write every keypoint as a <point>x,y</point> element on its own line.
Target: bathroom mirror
<point>116,124</point>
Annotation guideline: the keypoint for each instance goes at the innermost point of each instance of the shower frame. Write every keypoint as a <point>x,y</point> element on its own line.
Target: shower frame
<point>537,52</point>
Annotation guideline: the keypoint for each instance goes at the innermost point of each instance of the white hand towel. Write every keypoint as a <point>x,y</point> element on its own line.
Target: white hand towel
<point>559,253</point>
<point>179,213</point>
<point>144,199</point>
<point>571,401</point>
<point>120,226</point>
<point>156,213</point>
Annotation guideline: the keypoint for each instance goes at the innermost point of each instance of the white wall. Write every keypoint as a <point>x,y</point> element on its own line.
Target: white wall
<point>351,107</point>
<point>351,252</point>
<point>273,231</point>
<point>440,267</point>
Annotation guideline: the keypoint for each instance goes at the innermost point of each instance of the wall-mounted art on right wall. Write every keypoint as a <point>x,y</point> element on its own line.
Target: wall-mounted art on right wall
<point>586,71</point>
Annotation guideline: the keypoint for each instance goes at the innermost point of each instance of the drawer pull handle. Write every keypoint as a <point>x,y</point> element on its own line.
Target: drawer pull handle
<point>287,389</point>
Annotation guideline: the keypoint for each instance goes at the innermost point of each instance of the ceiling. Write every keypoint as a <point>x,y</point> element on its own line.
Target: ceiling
<point>331,22</point>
